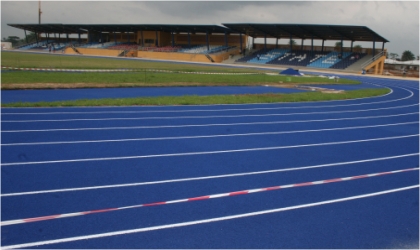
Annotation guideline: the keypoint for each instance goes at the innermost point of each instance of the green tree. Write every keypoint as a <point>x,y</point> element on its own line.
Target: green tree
<point>407,56</point>
<point>337,46</point>
<point>12,39</point>
<point>293,43</point>
<point>357,48</point>
<point>393,56</point>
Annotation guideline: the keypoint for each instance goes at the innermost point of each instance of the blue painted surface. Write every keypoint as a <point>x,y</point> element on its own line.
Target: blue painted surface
<point>9,96</point>
<point>384,221</point>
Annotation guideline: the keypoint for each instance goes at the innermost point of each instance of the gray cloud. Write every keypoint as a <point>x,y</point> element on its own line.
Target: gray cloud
<point>398,21</point>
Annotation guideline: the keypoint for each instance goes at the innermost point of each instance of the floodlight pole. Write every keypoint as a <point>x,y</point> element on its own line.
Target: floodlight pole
<point>39,12</point>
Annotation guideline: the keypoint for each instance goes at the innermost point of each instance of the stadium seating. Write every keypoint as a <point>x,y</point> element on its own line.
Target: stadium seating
<point>34,45</point>
<point>349,60</point>
<point>297,58</point>
<point>268,56</point>
<point>329,60</point>
<point>124,46</point>
<point>253,55</point>
<point>202,49</point>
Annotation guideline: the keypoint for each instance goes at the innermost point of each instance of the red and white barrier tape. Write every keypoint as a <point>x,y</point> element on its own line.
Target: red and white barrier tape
<point>250,191</point>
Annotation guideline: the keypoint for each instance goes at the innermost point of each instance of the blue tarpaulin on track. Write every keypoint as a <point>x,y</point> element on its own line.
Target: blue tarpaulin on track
<point>290,72</point>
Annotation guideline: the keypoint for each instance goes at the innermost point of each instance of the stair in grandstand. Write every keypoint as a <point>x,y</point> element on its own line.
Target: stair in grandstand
<point>209,57</point>
<point>357,66</point>
<point>348,61</point>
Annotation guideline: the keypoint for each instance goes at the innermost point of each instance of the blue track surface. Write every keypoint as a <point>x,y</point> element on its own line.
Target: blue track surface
<point>73,159</point>
<point>9,96</point>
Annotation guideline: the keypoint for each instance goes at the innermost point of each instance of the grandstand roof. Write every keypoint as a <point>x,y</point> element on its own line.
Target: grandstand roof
<point>297,31</point>
<point>307,31</point>
<point>74,28</point>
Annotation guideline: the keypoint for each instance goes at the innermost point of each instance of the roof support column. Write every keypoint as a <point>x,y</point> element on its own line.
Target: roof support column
<point>173,39</point>
<point>67,37</point>
<point>26,37</point>
<point>189,39</point>
<point>383,46</point>
<point>156,41</point>
<point>253,42</point>
<point>291,48</point>
<point>312,45</point>
<point>301,45</point>
<point>128,37</point>
<point>351,47</point>
<point>265,41</point>
<point>48,36</point>
<point>36,37</point>
<point>226,39</point>
<point>322,48</point>
<point>115,37</point>
<point>341,49</point>
<point>142,38</point>
<point>207,40</point>
<point>277,43</point>
<point>373,51</point>
<point>102,39</point>
<point>79,35</point>
<point>240,41</point>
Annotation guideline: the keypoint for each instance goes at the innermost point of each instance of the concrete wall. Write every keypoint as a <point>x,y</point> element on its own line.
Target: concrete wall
<point>173,56</point>
<point>95,52</point>
<point>214,39</point>
<point>148,35</point>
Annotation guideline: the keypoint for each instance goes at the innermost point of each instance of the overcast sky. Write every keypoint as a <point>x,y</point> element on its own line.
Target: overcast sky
<point>397,21</point>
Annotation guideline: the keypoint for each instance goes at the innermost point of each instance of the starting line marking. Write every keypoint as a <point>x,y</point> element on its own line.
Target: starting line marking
<point>190,223</point>
<point>206,197</point>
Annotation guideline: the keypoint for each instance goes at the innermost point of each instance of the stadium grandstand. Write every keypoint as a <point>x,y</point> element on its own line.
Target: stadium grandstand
<point>232,42</point>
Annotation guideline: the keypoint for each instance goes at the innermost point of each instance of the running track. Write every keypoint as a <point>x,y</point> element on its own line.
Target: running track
<point>341,174</point>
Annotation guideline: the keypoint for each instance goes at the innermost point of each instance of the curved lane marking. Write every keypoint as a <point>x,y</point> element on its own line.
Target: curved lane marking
<point>197,222</point>
<point>205,152</point>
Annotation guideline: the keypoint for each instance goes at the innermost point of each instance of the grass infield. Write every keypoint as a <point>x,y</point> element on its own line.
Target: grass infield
<point>143,77</point>
<point>216,99</point>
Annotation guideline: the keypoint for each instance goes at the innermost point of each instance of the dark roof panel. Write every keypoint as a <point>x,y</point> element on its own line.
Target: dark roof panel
<point>273,30</point>
<point>307,31</point>
<point>73,28</point>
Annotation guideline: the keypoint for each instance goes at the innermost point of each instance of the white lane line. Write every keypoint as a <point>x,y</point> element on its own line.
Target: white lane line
<point>208,177</point>
<point>205,152</point>
<point>208,117</point>
<point>207,110</point>
<point>197,222</point>
<point>207,125</point>
<point>207,136</point>
<point>203,197</point>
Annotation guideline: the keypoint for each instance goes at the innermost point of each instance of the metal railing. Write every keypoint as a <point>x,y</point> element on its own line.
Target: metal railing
<point>376,57</point>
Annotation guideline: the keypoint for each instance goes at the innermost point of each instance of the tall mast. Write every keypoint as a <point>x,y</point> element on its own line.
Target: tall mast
<point>39,12</point>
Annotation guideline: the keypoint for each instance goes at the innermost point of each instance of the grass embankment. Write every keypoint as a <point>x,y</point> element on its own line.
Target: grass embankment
<point>58,61</point>
<point>143,77</point>
<point>217,99</point>
<point>36,80</point>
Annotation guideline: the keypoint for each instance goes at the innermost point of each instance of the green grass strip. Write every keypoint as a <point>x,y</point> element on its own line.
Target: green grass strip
<point>216,99</point>
<point>149,78</point>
